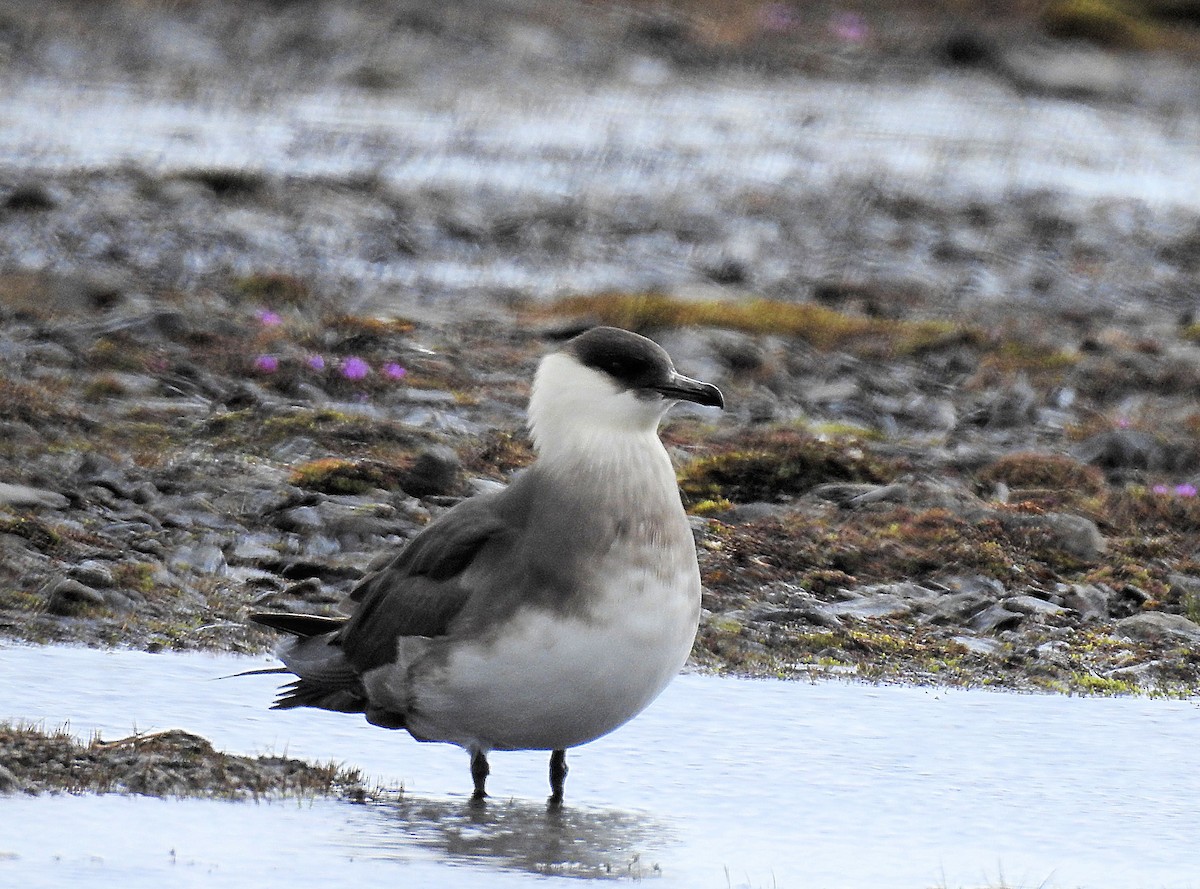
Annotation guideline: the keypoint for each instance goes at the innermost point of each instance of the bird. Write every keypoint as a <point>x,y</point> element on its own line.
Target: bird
<point>544,614</point>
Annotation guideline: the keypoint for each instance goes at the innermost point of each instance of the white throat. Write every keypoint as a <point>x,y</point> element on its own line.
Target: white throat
<point>577,413</point>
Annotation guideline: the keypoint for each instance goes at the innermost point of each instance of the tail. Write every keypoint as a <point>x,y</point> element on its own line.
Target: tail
<point>324,678</point>
<point>303,625</point>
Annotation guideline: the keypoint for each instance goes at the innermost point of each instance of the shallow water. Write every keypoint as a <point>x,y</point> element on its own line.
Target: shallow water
<point>717,136</point>
<point>722,782</point>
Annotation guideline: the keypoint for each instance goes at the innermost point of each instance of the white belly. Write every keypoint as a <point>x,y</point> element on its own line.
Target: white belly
<point>546,680</point>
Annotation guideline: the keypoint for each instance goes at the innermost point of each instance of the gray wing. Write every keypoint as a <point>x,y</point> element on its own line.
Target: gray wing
<point>419,593</point>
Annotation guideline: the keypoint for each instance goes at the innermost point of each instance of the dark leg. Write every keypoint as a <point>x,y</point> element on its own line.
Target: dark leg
<point>558,776</point>
<point>479,773</point>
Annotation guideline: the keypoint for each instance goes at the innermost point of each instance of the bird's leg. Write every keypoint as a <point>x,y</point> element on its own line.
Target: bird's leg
<point>558,776</point>
<point>479,774</point>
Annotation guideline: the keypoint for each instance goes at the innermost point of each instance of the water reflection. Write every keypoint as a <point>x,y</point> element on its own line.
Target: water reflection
<point>520,836</point>
<point>948,787</point>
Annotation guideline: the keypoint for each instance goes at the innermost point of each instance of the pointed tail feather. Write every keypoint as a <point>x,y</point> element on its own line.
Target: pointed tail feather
<point>302,625</point>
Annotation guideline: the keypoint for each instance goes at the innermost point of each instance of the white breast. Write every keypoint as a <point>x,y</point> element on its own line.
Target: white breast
<point>548,681</point>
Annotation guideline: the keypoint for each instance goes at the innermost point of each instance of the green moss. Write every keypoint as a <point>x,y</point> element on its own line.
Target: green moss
<point>710,507</point>
<point>823,327</point>
<point>499,453</point>
<point>118,352</point>
<point>1191,606</point>
<point>22,600</point>
<point>103,386</point>
<point>845,431</point>
<point>725,624</point>
<point>1013,355</point>
<point>137,576</point>
<point>273,289</point>
<point>40,535</point>
<point>1106,22</point>
<point>775,464</point>
<point>1088,683</point>
<point>334,475</point>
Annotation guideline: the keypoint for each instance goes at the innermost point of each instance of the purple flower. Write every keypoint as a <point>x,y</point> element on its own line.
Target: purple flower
<point>266,364</point>
<point>354,368</point>
<point>849,27</point>
<point>1122,422</point>
<point>394,371</point>
<point>316,362</point>
<point>1161,489</point>
<point>1185,490</point>
<point>269,319</point>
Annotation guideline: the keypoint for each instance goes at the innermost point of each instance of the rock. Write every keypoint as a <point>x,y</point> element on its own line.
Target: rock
<point>976,645</point>
<point>1153,626</point>
<point>1065,69</point>
<point>1185,589</point>
<point>876,605</point>
<point>845,493</point>
<point>887,600</point>
<point>1122,449</point>
<point>929,412</point>
<point>93,573</point>
<point>963,598</point>
<point>251,550</point>
<point>994,618</point>
<point>300,519</point>
<point>738,351</point>
<point>30,196</point>
<point>204,558</point>
<point>1014,407</point>
<point>1075,535</point>
<point>1089,600</point>
<point>68,596</point>
<point>24,496</point>
<point>1033,606</point>
<point>436,471</point>
<point>121,600</point>
<point>743,513</point>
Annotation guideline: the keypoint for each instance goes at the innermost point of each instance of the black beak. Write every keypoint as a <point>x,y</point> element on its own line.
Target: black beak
<point>683,388</point>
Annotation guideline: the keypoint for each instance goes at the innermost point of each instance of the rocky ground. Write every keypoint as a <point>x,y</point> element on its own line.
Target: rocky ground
<point>962,444</point>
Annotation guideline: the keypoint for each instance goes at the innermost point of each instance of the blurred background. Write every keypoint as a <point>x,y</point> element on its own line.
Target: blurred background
<point>934,157</point>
